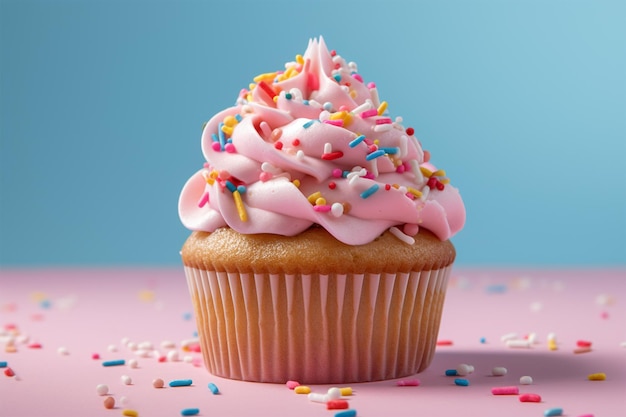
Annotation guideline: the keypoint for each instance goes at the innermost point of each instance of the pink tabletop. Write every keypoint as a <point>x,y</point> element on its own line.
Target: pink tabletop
<point>52,322</point>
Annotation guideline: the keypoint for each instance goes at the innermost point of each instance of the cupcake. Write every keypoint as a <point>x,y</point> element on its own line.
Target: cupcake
<point>320,244</point>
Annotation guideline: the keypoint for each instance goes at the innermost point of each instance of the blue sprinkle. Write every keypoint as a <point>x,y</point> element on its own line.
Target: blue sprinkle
<point>483,340</point>
<point>195,333</point>
<point>214,137</point>
<point>553,412</point>
<point>308,124</point>
<point>3,364</point>
<point>346,413</point>
<point>221,136</point>
<point>114,363</point>
<point>390,151</point>
<point>231,187</point>
<point>356,141</point>
<point>45,304</point>
<point>190,412</point>
<point>305,102</point>
<point>344,174</point>
<point>241,188</point>
<point>451,372</point>
<point>328,106</point>
<point>337,77</point>
<point>288,96</point>
<point>462,382</point>
<point>496,289</point>
<point>214,388</point>
<point>181,383</point>
<point>187,316</point>
<point>370,191</point>
<point>238,117</point>
<point>375,154</point>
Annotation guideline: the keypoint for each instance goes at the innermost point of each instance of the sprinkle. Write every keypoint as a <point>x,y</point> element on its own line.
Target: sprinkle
<point>600,376</point>
<point>9,372</point>
<point>265,129</point>
<point>292,384</point>
<point>3,364</point>
<point>518,343</point>
<point>337,405</point>
<point>444,342</point>
<point>582,350</point>
<point>381,109</point>
<point>332,155</point>
<point>126,380</point>
<point>241,209</point>
<point>370,191</point>
<point>464,369</point>
<point>389,150</point>
<point>265,77</point>
<point>296,142</point>
<point>102,389</point>
<point>213,388</point>
<point>337,209</point>
<point>530,398</point>
<point>334,122</point>
<point>313,197</point>
<point>369,113</point>
<point>526,380</point>
<point>109,403</point>
<point>267,89</point>
<point>462,382</point>
<point>410,131</point>
<point>415,192</point>
<point>308,124</point>
<point>158,383</point>
<point>346,391</point>
<point>363,107</point>
<point>302,389</point>
<point>408,383</point>
<point>374,155</point>
<point>317,398</point>
<point>551,412</point>
<point>499,371</point>
<point>322,208</point>
<point>130,413</point>
<point>201,203</point>
<point>114,363</point>
<point>400,235</point>
<point>221,137</point>
<point>451,372</point>
<point>383,121</point>
<point>190,412</point>
<point>278,145</point>
<point>383,128</point>
<point>512,390</point>
<point>180,383</point>
<point>346,413</point>
<point>583,343</point>
<point>353,143</point>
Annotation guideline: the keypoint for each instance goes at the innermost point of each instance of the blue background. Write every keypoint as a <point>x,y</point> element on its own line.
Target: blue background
<point>102,102</point>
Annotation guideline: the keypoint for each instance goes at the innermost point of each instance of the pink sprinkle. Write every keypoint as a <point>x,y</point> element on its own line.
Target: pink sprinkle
<point>344,108</point>
<point>357,77</point>
<point>337,173</point>
<point>371,85</point>
<point>265,176</point>
<point>197,362</point>
<point>195,347</point>
<point>203,200</point>
<point>512,390</point>
<point>583,343</point>
<point>322,208</point>
<point>35,345</point>
<point>369,113</point>
<point>162,358</point>
<point>95,356</point>
<point>383,120</point>
<point>408,383</point>
<point>369,176</point>
<point>338,122</point>
<point>216,146</point>
<point>410,229</point>
<point>400,169</point>
<point>604,315</point>
<point>292,384</point>
<point>229,147</point>
<point>444,342</point>
<point>530,398</point>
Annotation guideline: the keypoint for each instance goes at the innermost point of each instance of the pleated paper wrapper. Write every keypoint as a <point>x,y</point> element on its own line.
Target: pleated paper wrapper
<point>317,329</point>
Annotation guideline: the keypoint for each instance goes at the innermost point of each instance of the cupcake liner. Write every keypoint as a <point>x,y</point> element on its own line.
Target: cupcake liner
<point>317,329</point>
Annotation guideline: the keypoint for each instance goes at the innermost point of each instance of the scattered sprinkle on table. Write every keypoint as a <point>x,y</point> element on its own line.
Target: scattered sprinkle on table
<point>181,383</point>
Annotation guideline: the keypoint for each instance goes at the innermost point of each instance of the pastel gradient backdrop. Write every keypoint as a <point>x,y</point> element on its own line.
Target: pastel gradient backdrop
<point>102,102</point>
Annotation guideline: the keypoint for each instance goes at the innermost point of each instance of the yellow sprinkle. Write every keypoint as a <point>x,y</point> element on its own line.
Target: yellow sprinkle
<point>313,197</point>
<point>146,295</point>
<point>346,391</point>
<point>439,173</point>
<point>268,76</point>
<point>251,86</point>
<point>38,296</point>
<point>302,389</point>
<point>241,209</point>
<point>376,142</point>
<point>10,348</point>
<point>382,108</point>
<point>230,121</point>
<point>296,182</point>
<point>275,98</point>
<point>320,201</point>
<point>249,97</point>
<point>227,129</point>
<point>353,93</point>
<point>338,115</point>
<point>130,413</point>
<point>427,172</point>
<point>347,120</point>
<point>445,180</point>
<point>600,376</point>
<point>299,59</point>
<point>396,186</point>
<point>290,72</point>
<point>415,192</point>
<point>552,344</point>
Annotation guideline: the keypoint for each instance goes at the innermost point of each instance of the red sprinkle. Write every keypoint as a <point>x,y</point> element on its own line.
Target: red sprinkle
<point>337,405</point>
<point>410,131</point>
<point>332,185</point>
<point>296,142</point>
<point>583,343</point>
<point>9,372</point>
<point>444,342</point>
<point>530,398</point>
<point>278,145</point>
<point>387,187</point>
<point>95,356</point>
<point>332,155</point>
<point>162,358</point>
<point>35,346</point>
<point>268,89</point>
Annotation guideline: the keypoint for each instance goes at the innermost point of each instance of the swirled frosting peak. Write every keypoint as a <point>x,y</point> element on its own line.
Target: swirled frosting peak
<point>313,144</point>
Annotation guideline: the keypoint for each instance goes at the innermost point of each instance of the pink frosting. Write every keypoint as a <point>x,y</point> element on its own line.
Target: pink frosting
<point>312,144</point>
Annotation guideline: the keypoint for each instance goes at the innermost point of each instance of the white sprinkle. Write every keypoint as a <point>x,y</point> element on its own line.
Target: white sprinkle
<point>168,344</point>
<point>333,393</point>
<point>125,341</point>
<point>126,380</point>
<point>145,345</point>
<point>132,346</point>
<point>124,401</point>
<point>300,154</point>
<point>536,307</point>
<point>133,363</point>
<point>404,140</point>
<point>363,107</point>
<point>532,338</point>
<point>417,172</point>
<point>499,371</point>
<point>267,167</point>
<point>187,358</point>
<point>463,370</point>
<point>400,235</point>
<point>317,398</point>
<point>172,356</point>
<point>526,380</point>
<point>63,351</point>
<point>518,343</point>
<point>375,99</point>
<point>336,209</point>
<point>328,148</point>
<point>508,336</point>
<point>383,128</point>
<point>112,348</point>
<point>102,389</point>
